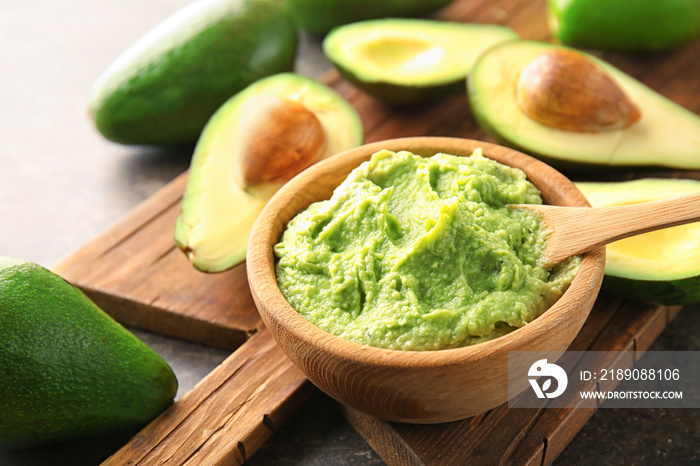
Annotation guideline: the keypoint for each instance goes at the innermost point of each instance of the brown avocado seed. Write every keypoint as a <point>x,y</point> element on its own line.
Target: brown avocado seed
<point>562,89</point>
<point>278,138</point>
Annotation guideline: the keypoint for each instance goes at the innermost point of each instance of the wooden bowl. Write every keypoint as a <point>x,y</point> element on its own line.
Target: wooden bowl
<point>412,386</point>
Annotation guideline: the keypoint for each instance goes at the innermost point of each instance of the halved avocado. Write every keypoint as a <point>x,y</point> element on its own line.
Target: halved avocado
<point>320,16</point>
<point>231,177</point>
<point>407,61</point>
<point>661,266</point>
<point>666,134</point>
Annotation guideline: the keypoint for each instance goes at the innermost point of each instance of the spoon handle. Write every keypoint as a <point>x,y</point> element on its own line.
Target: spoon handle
<point>575,230</point>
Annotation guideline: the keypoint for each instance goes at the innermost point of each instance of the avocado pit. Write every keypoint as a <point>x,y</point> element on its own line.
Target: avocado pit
<point>278,139</point>
<point>562,89</point>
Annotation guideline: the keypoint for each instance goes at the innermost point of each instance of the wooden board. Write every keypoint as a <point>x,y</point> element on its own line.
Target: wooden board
<point>228,415</point>
<point>134,272</point>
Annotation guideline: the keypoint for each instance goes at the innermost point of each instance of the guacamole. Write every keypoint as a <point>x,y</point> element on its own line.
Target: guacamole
<point>414,253</point>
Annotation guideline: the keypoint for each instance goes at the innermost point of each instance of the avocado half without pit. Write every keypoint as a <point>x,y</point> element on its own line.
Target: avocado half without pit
<point>662,266</point>
<point>576,111</point>
<point>409,61</point>
<point>257,141</point>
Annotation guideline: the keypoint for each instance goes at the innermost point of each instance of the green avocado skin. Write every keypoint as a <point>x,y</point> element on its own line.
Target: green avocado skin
<point>320,16</point>
<point>624,25</point>
<point>672,292</point>
<point>67,369</point>
<point>164,88</point>
<point>402,96</point>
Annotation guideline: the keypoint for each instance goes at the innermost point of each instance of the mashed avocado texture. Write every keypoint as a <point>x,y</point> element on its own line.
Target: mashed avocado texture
<point>414,253</point>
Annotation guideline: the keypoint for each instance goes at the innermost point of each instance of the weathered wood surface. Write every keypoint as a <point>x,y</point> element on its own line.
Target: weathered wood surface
<point>228,415</point>
<point>137,274</point>
<point>134,271</point>
<point>522,435</point>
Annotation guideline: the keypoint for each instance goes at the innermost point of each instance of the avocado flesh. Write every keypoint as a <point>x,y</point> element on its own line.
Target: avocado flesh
<point>164,88</point>
<point>407,61</point>
<point>666,135</point>
<point>624,25</point>
<point>661,266</point>
<point>68,369</point>
<point>320,16</point>
<point>217,213</point>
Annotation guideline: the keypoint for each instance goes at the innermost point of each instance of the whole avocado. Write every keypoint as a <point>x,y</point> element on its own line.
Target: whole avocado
<point>164,88</point>
<point>67,369</point>
<point>320,16</point>
<point>624,25</point>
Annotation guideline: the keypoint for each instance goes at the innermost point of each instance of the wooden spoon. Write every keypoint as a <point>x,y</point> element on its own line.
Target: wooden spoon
<point>563,89</point>
<point>278,138</point>
<point>575,230</point>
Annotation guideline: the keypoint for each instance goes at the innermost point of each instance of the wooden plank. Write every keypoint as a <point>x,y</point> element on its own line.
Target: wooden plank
<point>519,436</point>
<point>135,273</point>
<point>390,446</point>
<point>558,427</point>
<point>545,420</point>
<point>617,336</point>
<point>673,311</point>
<point>651,330</point>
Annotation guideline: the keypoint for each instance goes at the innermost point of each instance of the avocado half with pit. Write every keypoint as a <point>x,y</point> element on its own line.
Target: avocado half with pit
<point>663,135</point>
<point>320,16</point>
<point>254,143</point>
<point>662,266</point>
<point>408,61</point>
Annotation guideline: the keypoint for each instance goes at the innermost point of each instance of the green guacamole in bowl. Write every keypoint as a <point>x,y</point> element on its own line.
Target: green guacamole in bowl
<point>414,253</point>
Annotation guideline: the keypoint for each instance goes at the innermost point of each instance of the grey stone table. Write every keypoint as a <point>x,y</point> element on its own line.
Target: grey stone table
<point>61,184</point>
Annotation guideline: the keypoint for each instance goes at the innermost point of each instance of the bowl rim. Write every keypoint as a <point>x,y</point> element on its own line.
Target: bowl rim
<point>276,312</point>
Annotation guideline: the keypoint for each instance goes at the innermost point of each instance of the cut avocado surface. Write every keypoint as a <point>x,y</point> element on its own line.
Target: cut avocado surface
<point>320,16</point>
<point>218,209</point>
<point>405,61</point>
<point>666,135</point>
<point>661,266</point>
<point>68,369</point>
<point>164,88</point>
<point>624,25</point>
